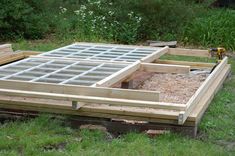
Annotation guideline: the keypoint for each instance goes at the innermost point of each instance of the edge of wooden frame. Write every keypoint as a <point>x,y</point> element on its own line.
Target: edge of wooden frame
<point>5,48</point>
<point>81,90</point>
<point>193,101</point>
<point>188,52</point>
<point>204,102</point>
<point>93,99</point>
<point>121,45</point>
<point>165,68</point>
<point>15,56</point>
<point>118,76</point>
<point>157,54</point>
<point>187,63</point>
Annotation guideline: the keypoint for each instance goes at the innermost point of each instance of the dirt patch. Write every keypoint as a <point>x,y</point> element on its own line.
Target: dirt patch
<point>58,146</point>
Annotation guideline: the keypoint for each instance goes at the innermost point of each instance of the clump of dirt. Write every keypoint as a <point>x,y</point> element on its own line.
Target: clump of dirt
<point>58,146</point>
<point>174,88</point>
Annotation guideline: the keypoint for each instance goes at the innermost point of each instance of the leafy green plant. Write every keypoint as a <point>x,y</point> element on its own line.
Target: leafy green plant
<point>98,19</point>
<point>21,18</point>
<point>215,29</point>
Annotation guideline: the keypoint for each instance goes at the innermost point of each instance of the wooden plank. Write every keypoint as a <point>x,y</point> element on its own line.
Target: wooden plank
<point>11,58</point>
<point>93,99</point>
<point>128,113</point>
<point>30,53</point>
<point>171,44</point>
<point>5,48</point>
<point>42,105</point>
<point>186,63</point>
<point>193,101</point>
<point>165,68</point>
<point>89,108</point>
<point>16,106</point>
<point>204,102</point>
<point>81,90</point>
<point>118,76</point>
<point>188,52</point>
<point>152,57</point>
<point>116,45</point>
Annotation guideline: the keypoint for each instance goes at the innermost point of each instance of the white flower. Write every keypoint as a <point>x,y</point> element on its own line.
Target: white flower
<point>77,12</point>
<point>83,7</point>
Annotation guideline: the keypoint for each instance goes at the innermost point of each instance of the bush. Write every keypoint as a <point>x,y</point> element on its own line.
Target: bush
<point>98,20</point>
<point>125,21</point>
<point>162,19</point>
<point>215,29</point>
<point>22,18</point>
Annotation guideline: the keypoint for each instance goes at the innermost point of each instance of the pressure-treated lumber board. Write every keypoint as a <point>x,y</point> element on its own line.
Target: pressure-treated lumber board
<point>188,52</point>
<point>187,63</point>
<point>14,56</point>
<point>128,113</point>
<point>94,99</point>
<point>124,113</point>
<point>50,103</point>
<point>81,90</point>
<point>150,58</point>
<point>204,102</point>
<point>30,53</point>
<point>90,114</point>
<point>165,68</point>
<point>193,101</point>
<point>11,57</point>
<point>119,45</point>
<point>118,76</point>
<point>5,48</point>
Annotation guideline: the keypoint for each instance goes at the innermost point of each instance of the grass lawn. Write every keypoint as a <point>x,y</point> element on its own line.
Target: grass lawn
<point>46,136</point>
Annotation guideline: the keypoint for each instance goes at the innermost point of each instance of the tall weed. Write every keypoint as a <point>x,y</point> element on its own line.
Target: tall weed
<point>217,28</point>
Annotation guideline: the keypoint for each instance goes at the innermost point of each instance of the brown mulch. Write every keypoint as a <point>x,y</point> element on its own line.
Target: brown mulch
<point>174,88</point>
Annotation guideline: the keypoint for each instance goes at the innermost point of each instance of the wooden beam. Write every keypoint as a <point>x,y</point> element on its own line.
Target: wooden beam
<point>30,53</point>
<point>165,68</point>
<point>5,48</point>
<point>152,57</point>
<point>14,56</point>
<point>186,63</point>
<point>188,52</point>
<point>81,90</point>
<point>118,76</point>
<point>117,45</point>
<point>193,101</point>
<point>89,108</point>
<point>11,58</point>
<point>93,99</point>
<point>204,102</point>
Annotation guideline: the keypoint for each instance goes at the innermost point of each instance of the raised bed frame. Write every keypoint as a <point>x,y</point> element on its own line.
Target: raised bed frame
<point>118,103</point>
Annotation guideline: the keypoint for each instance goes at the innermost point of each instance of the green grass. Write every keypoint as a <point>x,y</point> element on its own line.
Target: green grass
<point>47,136</point>
<point>44,136</point>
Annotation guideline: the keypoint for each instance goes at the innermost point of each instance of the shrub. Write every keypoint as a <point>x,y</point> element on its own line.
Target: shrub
<point>22,18</point>
<point>215,29</point>
<point>126,21</point>
<point>161,19</point>
<point>97,19</point>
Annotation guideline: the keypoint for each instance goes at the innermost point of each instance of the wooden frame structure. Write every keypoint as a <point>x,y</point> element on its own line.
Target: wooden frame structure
<point>99,100</point>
